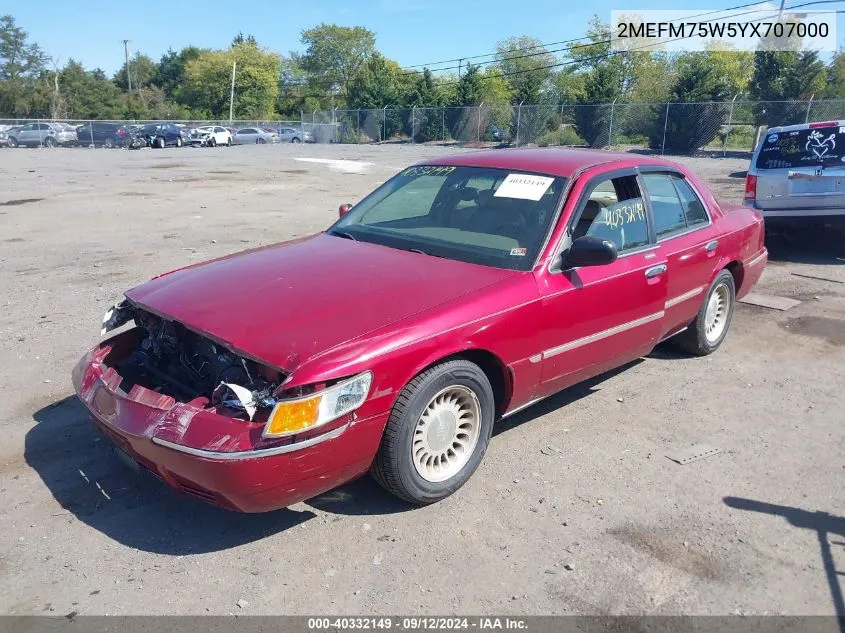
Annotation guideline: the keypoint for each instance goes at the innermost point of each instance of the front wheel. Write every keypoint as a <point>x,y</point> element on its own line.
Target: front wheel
<point>13,142</point>
<point>178,141</point>
<point>706,333</point>
<point>109,142</point>
<point>260,141</point>
<point>212,142</point>
<point>49,142</point>
<point>437,433</point>
<point>294,140</point>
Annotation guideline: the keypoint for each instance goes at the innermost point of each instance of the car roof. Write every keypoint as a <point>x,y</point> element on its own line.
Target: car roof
<point>555,161</point>
<point>804,126</point>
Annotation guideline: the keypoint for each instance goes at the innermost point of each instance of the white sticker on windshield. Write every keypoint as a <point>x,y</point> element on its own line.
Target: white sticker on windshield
<point>523,186</point>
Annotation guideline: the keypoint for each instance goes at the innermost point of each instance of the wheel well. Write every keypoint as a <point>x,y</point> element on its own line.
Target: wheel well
<point>495,370</point>
<point>736,271</point>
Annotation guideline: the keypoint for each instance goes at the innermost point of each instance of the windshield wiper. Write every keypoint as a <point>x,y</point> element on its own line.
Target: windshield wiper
<point>422,252</point>
<point>344,235</point>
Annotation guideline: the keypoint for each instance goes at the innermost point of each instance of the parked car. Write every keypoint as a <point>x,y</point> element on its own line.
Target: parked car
<point>495,133</point>
<point>44,134</point>
<point>457,293</point>
<point>248,135</point>
<point>158,135</point>
<point>797,173</point>
<point>102,133</point>
<point>8,138</point>
<point>210,135</point>
<point>294,135</point>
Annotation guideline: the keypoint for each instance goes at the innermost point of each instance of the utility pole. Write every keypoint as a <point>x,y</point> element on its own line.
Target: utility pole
<point>232,91</point>
<point>460,63</point>
<point>126,54</point>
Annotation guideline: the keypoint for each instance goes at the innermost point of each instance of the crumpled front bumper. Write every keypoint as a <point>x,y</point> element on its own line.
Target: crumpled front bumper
<point>213,457</point>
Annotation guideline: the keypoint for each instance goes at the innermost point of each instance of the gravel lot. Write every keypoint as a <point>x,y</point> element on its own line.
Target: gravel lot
<point>575,509</point>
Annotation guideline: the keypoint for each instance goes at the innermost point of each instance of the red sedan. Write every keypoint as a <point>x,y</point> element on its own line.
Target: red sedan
<point>455,294</point>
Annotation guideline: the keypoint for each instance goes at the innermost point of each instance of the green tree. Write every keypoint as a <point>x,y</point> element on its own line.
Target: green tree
<point>375,84</point>
<point>603,81</point>
<point>241,39</point>
<point>18,56</point>
<point>525,62</point>
<point>22,63</point>
<point>333,54</point>
<point>836,77</point>
<point>698,107</point>
<point>256,82</point>
<point>88,95</point>
<point>470,89</point>
<point>142,71</point>
<point>782,76</point>
<point>170,74</point>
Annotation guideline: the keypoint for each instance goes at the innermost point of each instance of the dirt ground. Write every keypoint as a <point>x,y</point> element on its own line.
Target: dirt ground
<point>575,509</point>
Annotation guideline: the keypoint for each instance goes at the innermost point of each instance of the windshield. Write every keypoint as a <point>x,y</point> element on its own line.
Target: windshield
<point>479,215</point>
<point>802,148</point>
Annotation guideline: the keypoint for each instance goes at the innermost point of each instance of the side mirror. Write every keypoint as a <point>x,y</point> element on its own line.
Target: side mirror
<point>344,209</point>
<point>589,251</point>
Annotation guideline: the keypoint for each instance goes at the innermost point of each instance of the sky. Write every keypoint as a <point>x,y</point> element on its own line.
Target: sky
<point>409,31</point>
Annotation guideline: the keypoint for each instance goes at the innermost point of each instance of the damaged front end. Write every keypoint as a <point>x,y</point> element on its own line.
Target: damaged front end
<point>216,424</point>
<point>161,380</point>
<point>169,358</point>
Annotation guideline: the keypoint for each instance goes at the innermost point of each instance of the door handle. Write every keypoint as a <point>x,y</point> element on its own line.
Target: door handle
<point>655,270</point>
<point>711,246</point>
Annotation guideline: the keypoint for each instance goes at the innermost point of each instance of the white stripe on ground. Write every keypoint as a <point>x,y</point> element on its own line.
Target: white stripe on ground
<point>345,166</point>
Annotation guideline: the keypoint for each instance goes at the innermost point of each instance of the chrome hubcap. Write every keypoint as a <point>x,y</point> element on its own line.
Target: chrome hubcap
<point>446,433</point>
<point>716,315</point>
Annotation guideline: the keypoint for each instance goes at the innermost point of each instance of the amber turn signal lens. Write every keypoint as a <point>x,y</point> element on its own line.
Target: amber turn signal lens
<point>290,417</point>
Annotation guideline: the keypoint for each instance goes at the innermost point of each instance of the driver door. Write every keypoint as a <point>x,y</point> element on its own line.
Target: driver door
<point>600,317</point>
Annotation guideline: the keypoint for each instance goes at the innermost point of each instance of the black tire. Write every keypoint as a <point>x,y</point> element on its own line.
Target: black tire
<point>178,141</point>
<point>229,142</point>
<point>260,141</point>
<point>13,142</point>
<point>393,467</point>
<point>108,143</point>
<point>49,142</point>
<point>694,339</point>
<point>159,142</point>
<point>212,142</point>
<point>295,139</point>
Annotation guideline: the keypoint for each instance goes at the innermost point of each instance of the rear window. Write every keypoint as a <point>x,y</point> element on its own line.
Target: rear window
<point>800,148</point>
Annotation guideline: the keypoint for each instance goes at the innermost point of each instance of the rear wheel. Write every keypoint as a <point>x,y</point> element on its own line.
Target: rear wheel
<point>109,142</point>
<point>260,141</point>
<point>178,141</point>
<point>13,142</point>
<point>706,333</point>
<point>229,142</point>
<point>295,139</point>
<point>437,433</point>
<point>159,142</point>
<point>49,142</point>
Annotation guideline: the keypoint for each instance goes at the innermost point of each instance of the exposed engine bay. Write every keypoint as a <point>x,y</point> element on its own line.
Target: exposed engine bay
<point>171,359</point>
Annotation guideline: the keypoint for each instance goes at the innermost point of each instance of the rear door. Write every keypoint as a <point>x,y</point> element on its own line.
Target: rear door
<point>687,240</point>
<point>599,317</point>
<point>27,134</point>
<point>802,170</point>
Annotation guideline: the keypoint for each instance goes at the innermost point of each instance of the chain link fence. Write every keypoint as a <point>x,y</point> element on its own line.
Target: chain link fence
<point>666,128</point>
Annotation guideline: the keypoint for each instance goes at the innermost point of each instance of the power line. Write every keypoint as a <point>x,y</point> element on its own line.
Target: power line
<point>331,81</point>
<point>578,39</point>
<point>612,53</point>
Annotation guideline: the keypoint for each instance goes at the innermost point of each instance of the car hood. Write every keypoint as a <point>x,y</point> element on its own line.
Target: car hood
<point>285,303</point>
